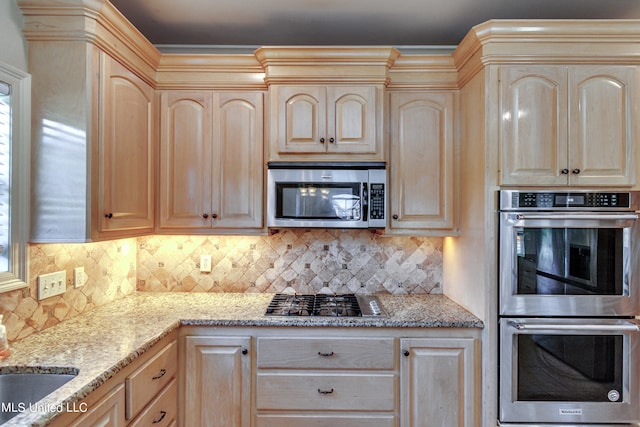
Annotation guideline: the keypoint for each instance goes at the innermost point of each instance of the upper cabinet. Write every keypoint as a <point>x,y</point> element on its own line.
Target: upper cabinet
<point>211,168</point>
<point>126,146</point>
<point>421,162</point>
<point>567,125</point>
<point>327,119</point>
<point>326,102</point>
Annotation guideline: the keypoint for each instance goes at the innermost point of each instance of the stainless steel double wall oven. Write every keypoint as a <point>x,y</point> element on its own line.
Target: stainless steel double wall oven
<point>568,296</point>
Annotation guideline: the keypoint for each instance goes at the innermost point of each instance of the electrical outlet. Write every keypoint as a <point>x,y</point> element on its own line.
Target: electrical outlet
<point>52,284</point>
<point>79,277</point>
<point>205,263</point>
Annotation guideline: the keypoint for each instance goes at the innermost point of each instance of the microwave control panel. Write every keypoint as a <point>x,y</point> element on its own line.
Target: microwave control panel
<point>376,201</point>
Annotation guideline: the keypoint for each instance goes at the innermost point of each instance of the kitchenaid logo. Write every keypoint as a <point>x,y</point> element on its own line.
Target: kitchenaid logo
<point>18,407</point>
<point>575,411</point>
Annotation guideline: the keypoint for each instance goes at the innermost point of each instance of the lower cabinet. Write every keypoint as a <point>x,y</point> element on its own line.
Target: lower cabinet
<point>145,393</point>
<point>217,381</point>
<point>327,377</point>
<point>438,382</point>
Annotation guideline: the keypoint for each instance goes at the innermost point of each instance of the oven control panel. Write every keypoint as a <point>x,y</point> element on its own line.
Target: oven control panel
<point>540,200</point>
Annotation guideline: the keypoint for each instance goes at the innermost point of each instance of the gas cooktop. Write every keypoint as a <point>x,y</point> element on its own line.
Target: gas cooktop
<point>339,305</point>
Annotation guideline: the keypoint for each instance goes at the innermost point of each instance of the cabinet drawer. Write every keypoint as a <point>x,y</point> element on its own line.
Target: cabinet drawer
<point>162,411</point>
<point>143,384</point>
<point>326,353</point>
<point>319,391</point>
<point>282,420</point>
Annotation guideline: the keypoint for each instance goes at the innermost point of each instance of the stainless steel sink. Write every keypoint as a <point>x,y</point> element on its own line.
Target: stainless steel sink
<point>19,390</point>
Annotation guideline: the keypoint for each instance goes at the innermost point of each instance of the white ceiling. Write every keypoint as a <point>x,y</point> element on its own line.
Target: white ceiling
<point>345,22</point>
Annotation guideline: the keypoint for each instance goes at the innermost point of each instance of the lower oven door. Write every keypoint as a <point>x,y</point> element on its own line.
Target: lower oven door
<point>569,370</point>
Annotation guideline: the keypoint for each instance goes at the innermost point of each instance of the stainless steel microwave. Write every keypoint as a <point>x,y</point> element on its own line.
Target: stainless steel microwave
<point>326,194</point>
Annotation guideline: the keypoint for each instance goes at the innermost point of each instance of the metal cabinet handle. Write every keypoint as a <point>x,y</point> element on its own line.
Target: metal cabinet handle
<point>163,372</point>
<point>326,354</point>
<point>162,415</point>
<point>325,391</point>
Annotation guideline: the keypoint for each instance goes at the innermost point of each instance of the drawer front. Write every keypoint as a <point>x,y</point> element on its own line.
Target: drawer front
<point>326,421</point>
<point>143,384</point>
<point>339,392</point>
<point>326,353</point>
<point>162,411</point>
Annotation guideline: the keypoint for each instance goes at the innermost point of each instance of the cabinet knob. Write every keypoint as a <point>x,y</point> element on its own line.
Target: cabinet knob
<point>205,216</point>
<point>331,140</point>
<point>245,351</point>
<point>564,171</point>
<point>406,353</point>
<point>322,140</point>
<point>576,171</point>
<point>214,216</point>
<point>395,217</point>
<point>109,215</point>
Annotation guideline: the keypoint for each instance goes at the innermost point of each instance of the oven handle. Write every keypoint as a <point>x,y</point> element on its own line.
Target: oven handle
<point>629,327</point>
<point>573,216</point>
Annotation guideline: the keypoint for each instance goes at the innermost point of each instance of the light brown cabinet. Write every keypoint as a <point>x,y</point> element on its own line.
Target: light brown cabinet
<point>332,119</point>
<point>437,382</point>
<point>108,412</point>
<point>211,168</point>
<point>125,155</point>
<point>421,162</point>
<point>568,125</point>
<point>217,381</point>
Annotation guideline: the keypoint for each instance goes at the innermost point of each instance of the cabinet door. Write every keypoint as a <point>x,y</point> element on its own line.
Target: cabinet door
<point>217,381</point>
<point>533,124</point>
<point>421,161</point>
<point>601,131</point>
<point>108,412</point>
<point>185,159</point>
<point>238,167</point>
<point>438,383</point>
<point>301,119</point>
<point>351,119</point>
<point>125,157</point>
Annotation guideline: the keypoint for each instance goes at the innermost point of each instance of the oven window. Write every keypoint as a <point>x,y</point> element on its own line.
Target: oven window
<point>318,201</point>
<point>571,368</point>
<point>570,261</point>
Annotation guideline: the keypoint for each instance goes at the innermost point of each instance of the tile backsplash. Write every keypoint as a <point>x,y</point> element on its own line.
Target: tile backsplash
<point>303,261</point>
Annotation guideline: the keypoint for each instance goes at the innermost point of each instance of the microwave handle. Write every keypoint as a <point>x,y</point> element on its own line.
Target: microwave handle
<point>628,327</point>
<point>551,216</point>
<point>365,202</point>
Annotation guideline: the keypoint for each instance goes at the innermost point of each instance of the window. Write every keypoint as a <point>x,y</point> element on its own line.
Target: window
<point>15,104</point>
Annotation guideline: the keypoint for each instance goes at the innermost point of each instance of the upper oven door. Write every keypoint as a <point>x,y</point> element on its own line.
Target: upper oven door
<point>317,198</point>
<point>569,264</point>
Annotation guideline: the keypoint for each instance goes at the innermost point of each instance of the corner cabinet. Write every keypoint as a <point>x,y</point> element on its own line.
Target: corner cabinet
<point>211,162</point>
<point>568,125</point>
<point>125,155</point>
<point>326,119</point>
<point>217,381</point>
<point>421,162</point>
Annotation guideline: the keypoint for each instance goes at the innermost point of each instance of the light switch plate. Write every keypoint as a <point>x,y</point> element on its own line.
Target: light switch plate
<point>205,263</point>
<point>52,284</point>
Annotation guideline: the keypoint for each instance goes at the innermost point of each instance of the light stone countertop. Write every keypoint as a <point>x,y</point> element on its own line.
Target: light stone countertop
<point>103,341</point>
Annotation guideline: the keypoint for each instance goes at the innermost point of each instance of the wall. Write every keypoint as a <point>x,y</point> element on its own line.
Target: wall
<point>13,47</point>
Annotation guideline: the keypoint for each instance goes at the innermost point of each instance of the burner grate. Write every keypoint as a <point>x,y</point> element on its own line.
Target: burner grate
<point>343,305</point>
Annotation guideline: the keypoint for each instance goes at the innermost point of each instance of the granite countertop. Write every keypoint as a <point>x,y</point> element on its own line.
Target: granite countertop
<point>101,342</point>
